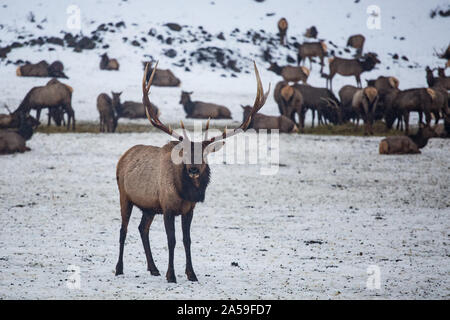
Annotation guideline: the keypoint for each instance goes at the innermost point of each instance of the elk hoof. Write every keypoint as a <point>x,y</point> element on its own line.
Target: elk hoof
<point>154,272</point>
<point>119,269</point>
<point>191,276</point>
<point>170,276</point>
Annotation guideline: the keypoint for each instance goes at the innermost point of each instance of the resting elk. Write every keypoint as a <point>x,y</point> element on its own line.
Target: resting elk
<point>407,144</point>
<point>290,73</point>
<point>108,64</point>
<point>149,179</point>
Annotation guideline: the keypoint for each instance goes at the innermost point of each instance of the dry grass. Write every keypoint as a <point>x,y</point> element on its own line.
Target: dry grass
<point>347,129</point>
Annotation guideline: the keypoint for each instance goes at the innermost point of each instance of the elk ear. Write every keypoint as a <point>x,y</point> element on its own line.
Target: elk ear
<point>214,147</point>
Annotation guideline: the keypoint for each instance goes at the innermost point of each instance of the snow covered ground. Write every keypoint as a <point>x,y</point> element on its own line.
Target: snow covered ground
<point>334,209</point>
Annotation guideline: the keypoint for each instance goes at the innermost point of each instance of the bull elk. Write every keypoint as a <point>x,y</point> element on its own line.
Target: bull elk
<point>149,179</point>
<point>282,28</point>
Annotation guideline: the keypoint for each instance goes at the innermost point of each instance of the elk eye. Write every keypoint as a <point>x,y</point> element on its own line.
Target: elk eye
<point>193,170</point>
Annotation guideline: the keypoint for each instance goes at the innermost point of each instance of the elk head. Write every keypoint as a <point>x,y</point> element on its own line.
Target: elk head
<point>193,155</point>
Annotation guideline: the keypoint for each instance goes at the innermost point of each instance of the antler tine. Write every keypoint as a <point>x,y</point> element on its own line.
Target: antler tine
<point>184,130</point>
<point>206,129</point>
<point>260,99</point>
<point>151,115</point>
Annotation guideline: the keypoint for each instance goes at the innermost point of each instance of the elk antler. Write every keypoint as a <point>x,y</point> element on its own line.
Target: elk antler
<point>151,114</point>
<point>259,102</point>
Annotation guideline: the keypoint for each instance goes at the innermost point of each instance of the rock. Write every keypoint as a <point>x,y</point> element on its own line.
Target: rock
<point>171,53</point>
<point>173,26</point>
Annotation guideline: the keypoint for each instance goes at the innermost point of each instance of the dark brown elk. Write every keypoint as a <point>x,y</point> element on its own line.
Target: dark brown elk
<point>14,140</point>
<point>291,104</point>
<point>130,109</point>
<point>440,81</point>
<point>108,118</point>
<point>42,69</point>
<point>346,94</point>
<point>290,73</point>
<point>203,110</point>
<point>169,180</point>
<point>364,104</point>
<point>407,144</point>
<point>356,41</point>
<point>312,49</point>
<point>321,100</point>
<point>53,95</point>
<point>262,121</point>
<point>403,102</point>
<point>311,32</point>
<point>351,67</point>
<point>282,29</point>
<point>163,77</point>
<point>108,64</point>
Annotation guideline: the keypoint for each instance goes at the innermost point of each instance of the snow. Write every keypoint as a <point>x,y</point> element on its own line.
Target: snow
<point>335,21</point>
<point>60,207</point>
<point>311,231</point>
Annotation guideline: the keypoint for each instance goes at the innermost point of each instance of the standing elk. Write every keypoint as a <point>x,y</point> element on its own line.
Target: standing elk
<point>407,144</point>
<point>149,178</point>
<point>163,77</point>
<point>351,67</point>
<point>54,94</point>
<point>312,49</point>
<point>203,110</point>
<point>321,100</point>
<point>290,73</point>
<point>282,29</point>
<point>346,94</point>
<point>292,103</point>
<point>108,64</point>
<point>42,69</point>
<point>356,41</point>
<point>311,32</point>
<point>130,109</point>
<point>364,104</point>
<point>262,121</point>
<point>108,118</point>
<point>403,102</point>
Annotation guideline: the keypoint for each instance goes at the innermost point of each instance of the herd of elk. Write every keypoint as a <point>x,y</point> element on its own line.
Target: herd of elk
<point>202,110</point>
<point>150,179</point>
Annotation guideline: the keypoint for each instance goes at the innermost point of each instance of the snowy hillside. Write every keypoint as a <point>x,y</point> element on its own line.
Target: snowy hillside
<point>202,22</point>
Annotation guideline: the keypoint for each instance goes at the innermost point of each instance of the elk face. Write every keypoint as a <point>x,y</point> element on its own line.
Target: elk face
<point>185,97</point>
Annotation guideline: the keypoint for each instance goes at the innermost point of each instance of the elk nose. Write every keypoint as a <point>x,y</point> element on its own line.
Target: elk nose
<point>193,170</point>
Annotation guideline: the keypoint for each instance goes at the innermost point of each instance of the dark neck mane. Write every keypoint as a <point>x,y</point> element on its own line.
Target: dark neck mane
<point>189,191</point>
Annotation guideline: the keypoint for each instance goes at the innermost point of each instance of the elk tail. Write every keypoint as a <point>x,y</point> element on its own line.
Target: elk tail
<point>18,72</point>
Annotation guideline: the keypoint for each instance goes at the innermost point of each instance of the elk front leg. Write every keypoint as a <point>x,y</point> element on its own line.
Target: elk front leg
<point>186,226</point>
<point>169,224</point>
<point>144,228</point>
